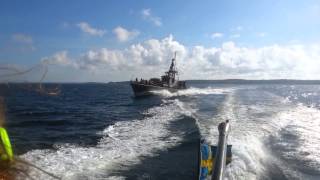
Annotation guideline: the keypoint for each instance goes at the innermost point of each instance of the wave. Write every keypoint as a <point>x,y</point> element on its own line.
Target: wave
<point>272,137</point>
<point>192,91</point>
<point>298,142</point>
<point>251,124</point>
<point>274,140</point>
<point>121,146</point>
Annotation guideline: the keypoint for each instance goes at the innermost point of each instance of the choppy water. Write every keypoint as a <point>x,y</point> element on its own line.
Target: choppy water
<point>99,131</point>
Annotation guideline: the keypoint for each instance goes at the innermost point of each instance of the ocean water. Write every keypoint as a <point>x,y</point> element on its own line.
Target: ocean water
<point>100,131</point>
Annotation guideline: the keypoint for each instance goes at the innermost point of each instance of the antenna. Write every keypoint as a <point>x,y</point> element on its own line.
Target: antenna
<point>175,61</point>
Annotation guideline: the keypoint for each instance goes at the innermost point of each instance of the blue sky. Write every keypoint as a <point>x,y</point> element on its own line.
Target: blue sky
<point>34,31</point>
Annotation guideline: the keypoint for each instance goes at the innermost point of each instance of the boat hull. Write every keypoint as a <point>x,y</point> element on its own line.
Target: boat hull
<point>144,89</point>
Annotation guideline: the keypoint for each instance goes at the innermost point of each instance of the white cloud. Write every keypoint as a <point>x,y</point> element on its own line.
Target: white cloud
<point>152,57</point>
<point>261,34</point>
<point>85,27</point>
<point>123,34</point>
<point>237,28</point>
<point>59,58</point>
<point>148,16</point>
<point>102,58</point>
<point>234,36</point>
<point>235,32</point>
<point>152,53</point>
<point>216,35</point>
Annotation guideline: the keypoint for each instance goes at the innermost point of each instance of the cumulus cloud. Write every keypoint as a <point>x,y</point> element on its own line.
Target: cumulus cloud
<point>237,28</point>
<point>148,16</point>
<point>123,34</point>
<point>152,57</point>
<point>234,36</point>
<point>261,34</point>
<point>59,58</point>
<point>102,58</point>
<point>216,35</point>
<point>150,54</point>
<point>86,28</point>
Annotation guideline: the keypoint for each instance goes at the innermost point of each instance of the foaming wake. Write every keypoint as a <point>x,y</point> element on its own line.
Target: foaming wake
<point>249,158</point>
<point>192,91</point>
<point>191,110</point>
<point>208,127</point>
<point>251,124</point>
<point>294,131</point>
<point>299,142</point>
<point>122,145</point>
<point>249,153</point>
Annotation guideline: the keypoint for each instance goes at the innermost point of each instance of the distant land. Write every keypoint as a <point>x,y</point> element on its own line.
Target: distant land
<point>246,81</point>
<point>219,81</point>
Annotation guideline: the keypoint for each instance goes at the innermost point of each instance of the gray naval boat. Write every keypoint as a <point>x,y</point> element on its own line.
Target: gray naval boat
<point>169,81</point>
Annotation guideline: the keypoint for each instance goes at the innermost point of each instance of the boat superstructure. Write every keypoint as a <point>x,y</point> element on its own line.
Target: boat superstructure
<point>169,81</point>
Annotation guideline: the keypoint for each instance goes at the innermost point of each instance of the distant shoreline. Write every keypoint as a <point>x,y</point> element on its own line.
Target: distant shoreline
<point>269,81</point>
<point>218,81</point>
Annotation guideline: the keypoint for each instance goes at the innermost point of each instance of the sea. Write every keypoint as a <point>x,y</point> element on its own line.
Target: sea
<point>101,131</point>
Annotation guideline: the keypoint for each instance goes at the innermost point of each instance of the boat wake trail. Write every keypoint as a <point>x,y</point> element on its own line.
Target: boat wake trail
<point>272,137</point>
<point>297,143</point>
<point>272,142</point>
<point>254,121</point>
<point>250,125</point>
<point>192,91</point>
<point>122,145</point>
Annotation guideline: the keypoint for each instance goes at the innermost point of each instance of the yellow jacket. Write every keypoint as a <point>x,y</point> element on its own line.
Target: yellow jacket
<point>5,141</point>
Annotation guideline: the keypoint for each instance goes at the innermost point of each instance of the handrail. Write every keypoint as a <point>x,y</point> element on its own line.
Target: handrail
<point>221,154</point>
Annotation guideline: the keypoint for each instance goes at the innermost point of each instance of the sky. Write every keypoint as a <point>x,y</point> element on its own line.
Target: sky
<point>102,41</point>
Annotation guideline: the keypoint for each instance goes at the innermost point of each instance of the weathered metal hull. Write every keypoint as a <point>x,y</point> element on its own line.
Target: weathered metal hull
<point>140,89</point>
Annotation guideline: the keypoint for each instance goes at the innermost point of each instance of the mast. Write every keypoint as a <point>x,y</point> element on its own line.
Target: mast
<point>173,64</point>
<point>172,70</point>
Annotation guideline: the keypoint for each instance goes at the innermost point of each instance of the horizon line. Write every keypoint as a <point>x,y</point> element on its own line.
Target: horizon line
<point>79,82</point>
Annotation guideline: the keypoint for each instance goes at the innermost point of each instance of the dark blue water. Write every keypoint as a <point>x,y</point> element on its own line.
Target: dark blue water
<point>100,131</point>
<point>38,121</point>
